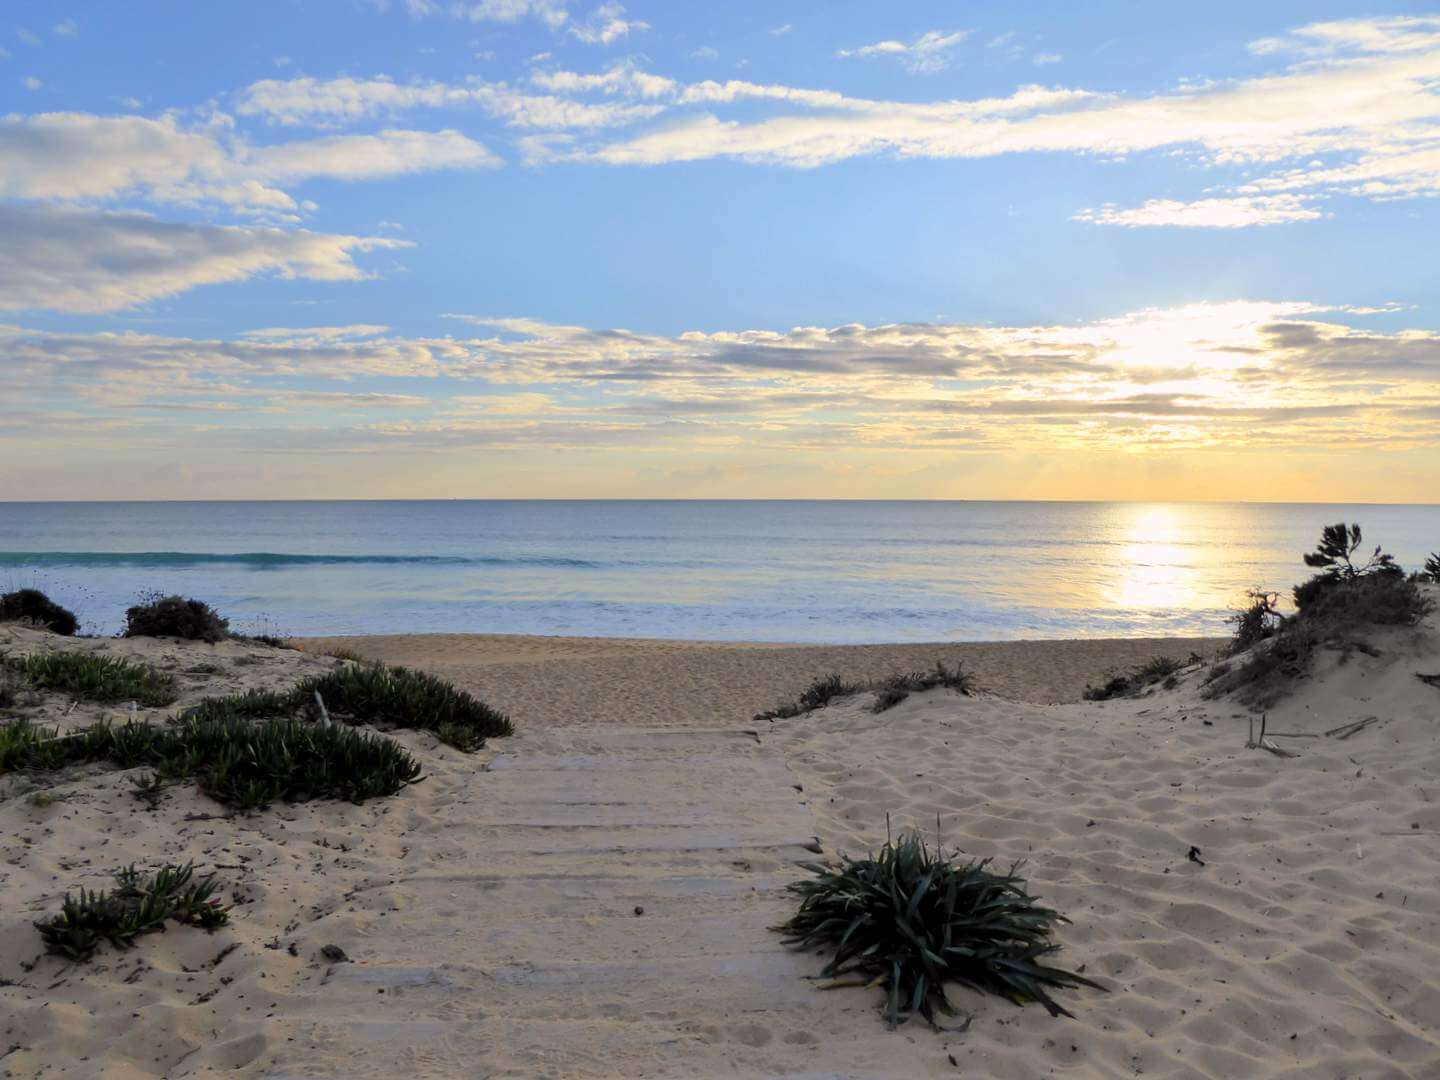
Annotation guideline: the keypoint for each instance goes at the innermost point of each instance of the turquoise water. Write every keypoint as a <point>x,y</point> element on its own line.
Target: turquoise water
<point>766,571</point>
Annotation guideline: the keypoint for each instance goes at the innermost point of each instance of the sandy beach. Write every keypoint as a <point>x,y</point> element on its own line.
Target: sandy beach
<point>569,680</point>
<point>593,896</point>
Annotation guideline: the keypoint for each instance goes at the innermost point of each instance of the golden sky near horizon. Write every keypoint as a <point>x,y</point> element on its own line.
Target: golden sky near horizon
<point>1256,401</point>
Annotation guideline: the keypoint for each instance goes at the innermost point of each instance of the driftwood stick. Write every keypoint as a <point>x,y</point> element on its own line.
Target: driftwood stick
<point>1344,731</point>
<point>324,712</point>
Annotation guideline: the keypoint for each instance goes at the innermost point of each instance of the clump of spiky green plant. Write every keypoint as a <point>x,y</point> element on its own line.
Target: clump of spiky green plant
<point>910,920</point>
<point>241,763</point>
<point>175,616</point>
<point>250,765</point>
<point>95,678</point>
<point>139,904</point>
<point>247,705</point>
<point>399,697</point>
<point>33,606</point>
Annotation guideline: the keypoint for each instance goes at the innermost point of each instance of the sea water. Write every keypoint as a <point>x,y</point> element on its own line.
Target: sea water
<point>716,570</point>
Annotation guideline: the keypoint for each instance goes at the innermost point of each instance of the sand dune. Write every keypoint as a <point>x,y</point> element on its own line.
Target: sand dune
<point>497,918</point>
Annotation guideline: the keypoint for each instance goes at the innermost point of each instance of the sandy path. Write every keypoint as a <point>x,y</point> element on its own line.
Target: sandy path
<point>596,904</point>
<point>555,681</point>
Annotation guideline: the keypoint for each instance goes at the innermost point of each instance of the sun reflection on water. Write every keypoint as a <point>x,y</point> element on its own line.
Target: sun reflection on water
<point>1158,569</point>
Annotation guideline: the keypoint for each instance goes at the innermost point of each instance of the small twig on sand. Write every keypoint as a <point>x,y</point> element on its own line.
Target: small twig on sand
<point>324,712</point>
<point>1344,731</point>
<point>1429,680</point>
<point>1260,742</point>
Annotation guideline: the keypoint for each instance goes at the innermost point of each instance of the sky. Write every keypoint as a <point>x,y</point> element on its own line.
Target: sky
<point>568,248</point>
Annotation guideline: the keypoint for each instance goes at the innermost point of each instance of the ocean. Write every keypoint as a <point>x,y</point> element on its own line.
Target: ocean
<point>794,571</point>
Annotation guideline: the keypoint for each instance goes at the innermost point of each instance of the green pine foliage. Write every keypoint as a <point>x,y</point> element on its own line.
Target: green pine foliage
<point>1335,556</point>
<point>910,920</point>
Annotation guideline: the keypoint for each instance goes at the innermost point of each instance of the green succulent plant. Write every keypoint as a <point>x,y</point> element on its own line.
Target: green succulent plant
<point>910,920</point>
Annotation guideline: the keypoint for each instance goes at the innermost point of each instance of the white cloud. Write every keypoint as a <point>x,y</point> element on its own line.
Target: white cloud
<point>363,157</point>
<point>705,52</point>
<point>1359,110</point>
<point>31,82</point>
<point>1224,213</point>
<point>62,259</point>
<point>621,79</point>
<point>550,12</point>
<point>324,101</point>
<point>81,156</point>
<point>1384,176</point>
<point>606,25</point>
<point>66,28</point>
<point>929,52</point>
<point>781,31</point>
<point>314,335</point>
<point>1225,376</point>
<point>1391,34</point>
<point>1042,59</point>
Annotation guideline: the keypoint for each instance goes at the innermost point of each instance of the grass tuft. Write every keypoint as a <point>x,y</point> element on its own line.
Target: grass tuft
<point>1129,683</point>
<point>94,678</point>
<point>272,640</point>
<point>33,606</point>
<point>139,904</point>
<point>911,920</point>
<point>889,692</point>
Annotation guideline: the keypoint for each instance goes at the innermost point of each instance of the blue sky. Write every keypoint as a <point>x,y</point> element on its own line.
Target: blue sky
<point>534,247</point>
